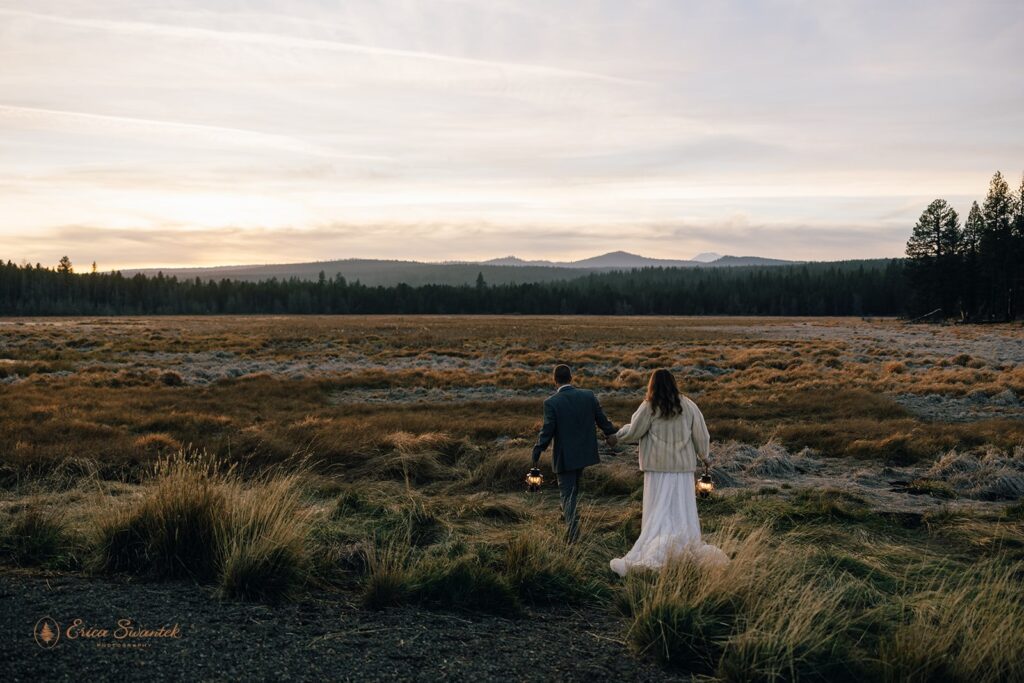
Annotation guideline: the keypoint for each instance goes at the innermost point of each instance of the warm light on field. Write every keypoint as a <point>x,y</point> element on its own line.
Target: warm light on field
<point>382,459</point>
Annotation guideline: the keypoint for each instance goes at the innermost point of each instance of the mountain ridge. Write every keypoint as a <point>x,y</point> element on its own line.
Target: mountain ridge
<point>625,259</point>
<point>504,270</point>
<point>706,257</point>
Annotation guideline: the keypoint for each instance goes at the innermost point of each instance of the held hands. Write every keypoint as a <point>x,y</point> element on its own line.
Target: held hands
<point>612,440</point>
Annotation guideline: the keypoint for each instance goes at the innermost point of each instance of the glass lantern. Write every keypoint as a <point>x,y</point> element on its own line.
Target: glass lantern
<point>534,479</point>
<point>705,485</point>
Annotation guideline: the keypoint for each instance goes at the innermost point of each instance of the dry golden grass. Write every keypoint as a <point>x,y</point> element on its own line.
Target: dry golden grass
<point>197,519</point>
<point>263,546</point>
<point>765,615</point>
<point>315,479</point>
<point>79,395</point>
<point>785,610</point>
<point>967,628</point>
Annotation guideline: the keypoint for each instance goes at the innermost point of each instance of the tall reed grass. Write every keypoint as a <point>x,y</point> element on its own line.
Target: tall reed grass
<point>763,616</point>
<point>198,519</point>
<point>966,627</point>
<point>788,608</point>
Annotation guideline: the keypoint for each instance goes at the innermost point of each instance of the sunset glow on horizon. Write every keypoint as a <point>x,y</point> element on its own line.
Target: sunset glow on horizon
<point>221,133</point>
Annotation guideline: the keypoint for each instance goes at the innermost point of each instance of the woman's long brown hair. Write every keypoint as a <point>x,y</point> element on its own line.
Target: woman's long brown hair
<point>663,394</point>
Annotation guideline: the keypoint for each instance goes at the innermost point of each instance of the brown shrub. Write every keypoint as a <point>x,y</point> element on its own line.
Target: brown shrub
<point>156,444</point>
<point>895,368</point>
<point>629,379</point>
<point>171,379</point>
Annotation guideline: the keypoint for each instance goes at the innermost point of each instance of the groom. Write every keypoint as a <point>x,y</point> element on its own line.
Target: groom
<point>569,418</point>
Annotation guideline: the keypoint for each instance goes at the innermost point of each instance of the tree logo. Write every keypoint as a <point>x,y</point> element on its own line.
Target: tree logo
<point>47,633</point>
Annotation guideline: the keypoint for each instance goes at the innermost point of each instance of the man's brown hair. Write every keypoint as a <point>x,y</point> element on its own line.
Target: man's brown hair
<point>563,375</point>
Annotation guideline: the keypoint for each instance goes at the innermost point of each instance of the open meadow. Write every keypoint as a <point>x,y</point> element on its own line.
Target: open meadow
<point>335,495</point>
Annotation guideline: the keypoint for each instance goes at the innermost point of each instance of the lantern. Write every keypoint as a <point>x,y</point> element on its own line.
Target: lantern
<point>705,485</point>
<point>533,480</point>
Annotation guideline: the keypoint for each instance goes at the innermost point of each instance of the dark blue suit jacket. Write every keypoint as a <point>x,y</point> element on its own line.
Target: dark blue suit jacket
<point>569,418</point>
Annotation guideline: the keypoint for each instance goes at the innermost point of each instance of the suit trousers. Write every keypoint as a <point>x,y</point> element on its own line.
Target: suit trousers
<point>569,494</point>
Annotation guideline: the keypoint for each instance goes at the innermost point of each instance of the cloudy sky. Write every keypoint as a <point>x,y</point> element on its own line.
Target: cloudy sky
<point>230,131</point>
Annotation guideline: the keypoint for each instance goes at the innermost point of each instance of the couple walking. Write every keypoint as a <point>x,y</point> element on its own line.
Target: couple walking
<point>672,436</point>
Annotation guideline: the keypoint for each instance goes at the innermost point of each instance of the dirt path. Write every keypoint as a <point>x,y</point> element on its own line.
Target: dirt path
<point>321,637</point>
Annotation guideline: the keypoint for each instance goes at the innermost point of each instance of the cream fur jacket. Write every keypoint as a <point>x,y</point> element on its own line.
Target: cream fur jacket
<point>668,444</point>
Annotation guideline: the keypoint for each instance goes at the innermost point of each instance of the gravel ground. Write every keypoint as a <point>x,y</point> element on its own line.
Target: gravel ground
<point>322,637</point>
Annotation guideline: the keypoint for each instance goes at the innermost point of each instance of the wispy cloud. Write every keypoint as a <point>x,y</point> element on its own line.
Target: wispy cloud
<point>288,42</point>
<point>208,133</point>
<point>29,118</point>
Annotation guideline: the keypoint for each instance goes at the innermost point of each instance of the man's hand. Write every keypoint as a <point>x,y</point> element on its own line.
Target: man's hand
<point>612,440</point>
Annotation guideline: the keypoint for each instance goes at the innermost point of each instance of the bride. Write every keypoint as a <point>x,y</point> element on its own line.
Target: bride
<point>672,437</point>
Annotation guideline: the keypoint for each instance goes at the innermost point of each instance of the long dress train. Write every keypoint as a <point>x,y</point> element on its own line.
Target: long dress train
<point>670,525</point>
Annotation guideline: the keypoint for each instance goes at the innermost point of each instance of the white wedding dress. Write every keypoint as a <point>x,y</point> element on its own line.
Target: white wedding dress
<point>669,527</point>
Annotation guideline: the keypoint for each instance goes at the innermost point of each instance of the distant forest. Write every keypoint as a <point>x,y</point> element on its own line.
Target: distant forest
<point>974,272</point>
<point>876,287</point>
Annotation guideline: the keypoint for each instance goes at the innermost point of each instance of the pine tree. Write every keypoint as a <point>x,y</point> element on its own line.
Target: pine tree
<point>1018,245</point>
<point>970,249</point>
<point>997,255</point>
<point>64,266</point>
<point>933,250</point>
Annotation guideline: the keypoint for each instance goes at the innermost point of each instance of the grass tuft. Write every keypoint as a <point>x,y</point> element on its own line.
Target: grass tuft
<point>811,506</point>
<point>263,547</point>
<point>764,616</point>
<point>174,530</point>
<point>544,570</point>
<point>388,581</point>
<point>464,584</point>
<point>966,629</point>
<point>505,470</point>
<point>197,521</point>
<point>35,538</point>
<point>931,487</point>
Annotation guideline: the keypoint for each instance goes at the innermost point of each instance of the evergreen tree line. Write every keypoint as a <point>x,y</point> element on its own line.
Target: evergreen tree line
<point>843,288</point>
<point>973,271</point>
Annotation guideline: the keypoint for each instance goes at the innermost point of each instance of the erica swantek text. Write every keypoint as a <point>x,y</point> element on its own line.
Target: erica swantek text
<point>126,629</point>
